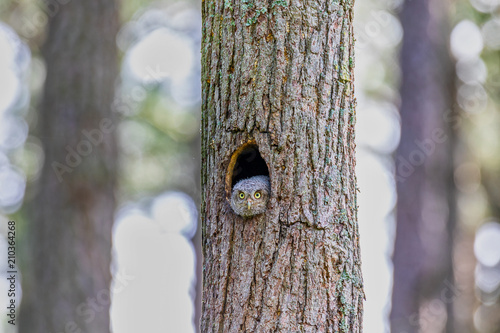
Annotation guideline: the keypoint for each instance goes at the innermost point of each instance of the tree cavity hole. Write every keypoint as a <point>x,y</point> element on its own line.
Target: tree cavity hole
<point>245,162</point>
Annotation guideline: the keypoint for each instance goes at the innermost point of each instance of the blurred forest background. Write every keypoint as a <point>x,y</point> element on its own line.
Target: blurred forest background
<point>428,133</point>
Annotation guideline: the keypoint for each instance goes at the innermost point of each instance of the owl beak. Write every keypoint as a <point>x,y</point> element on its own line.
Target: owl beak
<point>248,204</point>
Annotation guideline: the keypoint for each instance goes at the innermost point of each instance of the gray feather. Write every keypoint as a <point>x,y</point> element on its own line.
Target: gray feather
<point>250,205</point>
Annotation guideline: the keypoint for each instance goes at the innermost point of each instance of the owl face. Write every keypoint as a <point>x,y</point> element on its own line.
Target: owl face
<point>250,196</point>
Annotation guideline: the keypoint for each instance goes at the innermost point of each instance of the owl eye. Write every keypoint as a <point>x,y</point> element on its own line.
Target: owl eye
<point>257,195</point>
<point>241,195</point>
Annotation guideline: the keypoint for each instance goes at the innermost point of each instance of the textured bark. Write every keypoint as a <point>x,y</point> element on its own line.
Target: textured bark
<point>279,74</point>
<point>426,210</point>
<point>70,222</point>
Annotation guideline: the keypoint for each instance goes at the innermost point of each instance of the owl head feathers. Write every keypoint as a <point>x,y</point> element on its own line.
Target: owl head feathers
<point>249,196</point>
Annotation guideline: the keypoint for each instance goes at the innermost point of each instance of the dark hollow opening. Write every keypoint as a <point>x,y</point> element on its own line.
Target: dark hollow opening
<point>248,164</point>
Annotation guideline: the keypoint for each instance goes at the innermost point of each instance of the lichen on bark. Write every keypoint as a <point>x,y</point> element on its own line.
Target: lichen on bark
<point>285,81</point>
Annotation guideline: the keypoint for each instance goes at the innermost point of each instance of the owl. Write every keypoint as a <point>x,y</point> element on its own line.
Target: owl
<point>250,196</point>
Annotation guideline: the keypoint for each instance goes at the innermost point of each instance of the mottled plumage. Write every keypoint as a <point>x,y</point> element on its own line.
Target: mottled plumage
<point>250,196</point>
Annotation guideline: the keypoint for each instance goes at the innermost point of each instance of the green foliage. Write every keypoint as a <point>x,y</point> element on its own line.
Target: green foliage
<point>157,146</point>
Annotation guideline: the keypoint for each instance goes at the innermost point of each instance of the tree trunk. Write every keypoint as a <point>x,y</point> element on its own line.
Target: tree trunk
<point>66,278</point>
<point>277,99</point>
<point>423,272</point>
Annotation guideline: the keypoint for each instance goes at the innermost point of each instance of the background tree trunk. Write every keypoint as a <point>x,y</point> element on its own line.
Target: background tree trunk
<point>426,213</point>
<point>66,279</point>
<point>279,78</point>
